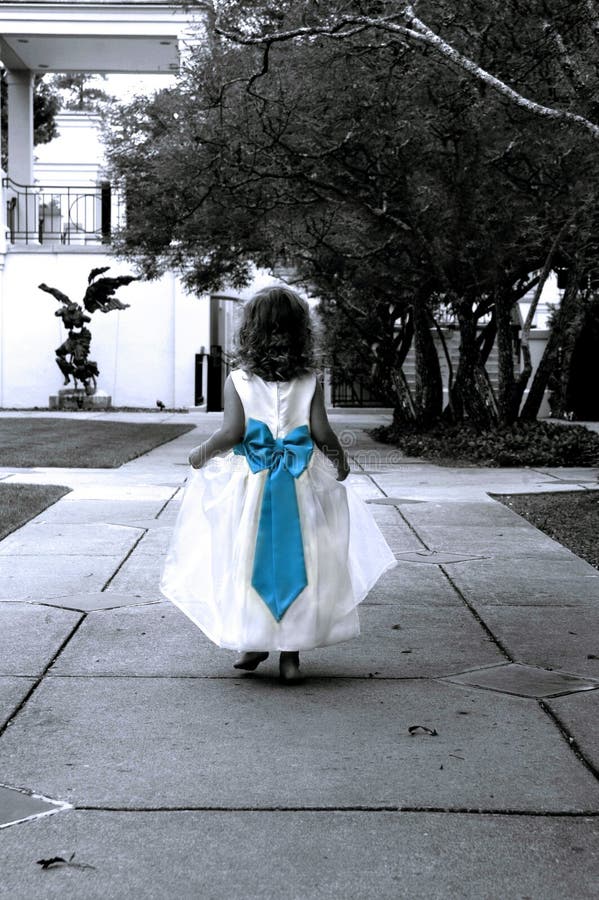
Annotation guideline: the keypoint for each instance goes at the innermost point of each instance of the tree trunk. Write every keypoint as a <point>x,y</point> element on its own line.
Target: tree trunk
<point>550,358</point>
<point>486,338</point>
<point>526,371</point>
<point>472,394</point>
<point>506,394</point>
<point>404,411</point>
<point>548,362</point>
<point>429,384</point>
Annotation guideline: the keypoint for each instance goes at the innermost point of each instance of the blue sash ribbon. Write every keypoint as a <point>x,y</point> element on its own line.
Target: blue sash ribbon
<point>279,572</point>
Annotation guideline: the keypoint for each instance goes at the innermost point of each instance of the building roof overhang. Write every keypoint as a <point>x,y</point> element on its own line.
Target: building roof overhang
<point>101,36</point>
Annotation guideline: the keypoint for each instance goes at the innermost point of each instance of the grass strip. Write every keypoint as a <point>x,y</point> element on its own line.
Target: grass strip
<point>21,502</point>
<point>571,517</point>
<point>80,444</point>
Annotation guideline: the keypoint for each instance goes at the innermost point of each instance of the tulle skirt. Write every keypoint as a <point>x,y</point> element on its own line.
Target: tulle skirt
<point>208,568</point>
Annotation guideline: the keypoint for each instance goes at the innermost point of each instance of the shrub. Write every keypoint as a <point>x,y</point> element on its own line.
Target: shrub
<point>521,444</point>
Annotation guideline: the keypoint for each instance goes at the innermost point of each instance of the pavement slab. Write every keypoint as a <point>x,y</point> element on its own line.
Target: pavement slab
<point>324,855</point>
<point>19,806</point>
<point>156,540</point>
<point>365,487</point>
<point>184,742</point>
<point>40,577</point>
<point>586,475</point>
<point>112,512</point>
<point>527,582</point>
<point>413,641</point>
<point>503,540</point>
<point>13,690</point>
<point>414,583</point>
<point>437,557</point>
<point>168,516</point>
<point>46,539</point>
<point>524,681</point>
<point>139,493</point>
<point>438,484</point>
<point>420,641</point>
<point>555,637</point>
<point>139,574</point>
<point>401,538</point>
<point>92,602</point>
<point>394,501</point>
<point>485,512</point>
<point>385,514</point>
<point>581,719</point>
<point>31,635</point>
<point>161,474</point>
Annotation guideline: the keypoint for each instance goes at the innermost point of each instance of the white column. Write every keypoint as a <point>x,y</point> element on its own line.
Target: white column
<point>20,126</point>
<point>20,153</point>
<point>3,224</point>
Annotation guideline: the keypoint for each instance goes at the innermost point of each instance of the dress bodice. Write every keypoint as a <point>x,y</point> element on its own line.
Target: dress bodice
<point>282,405</point>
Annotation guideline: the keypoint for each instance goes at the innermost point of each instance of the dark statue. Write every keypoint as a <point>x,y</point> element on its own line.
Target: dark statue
<point>72,357</point>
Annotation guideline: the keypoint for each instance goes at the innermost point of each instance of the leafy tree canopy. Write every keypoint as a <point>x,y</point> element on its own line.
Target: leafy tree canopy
<point>356,153</point>
<point>82,93</point>
<point>387,172</point>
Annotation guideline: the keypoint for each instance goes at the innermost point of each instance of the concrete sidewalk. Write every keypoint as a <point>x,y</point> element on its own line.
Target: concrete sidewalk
<point>452,751</point>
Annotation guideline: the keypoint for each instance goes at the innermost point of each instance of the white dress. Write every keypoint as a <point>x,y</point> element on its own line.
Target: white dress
<point>208,568</point>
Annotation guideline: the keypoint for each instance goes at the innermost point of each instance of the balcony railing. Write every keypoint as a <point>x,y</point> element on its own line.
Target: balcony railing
<point>55,214</point>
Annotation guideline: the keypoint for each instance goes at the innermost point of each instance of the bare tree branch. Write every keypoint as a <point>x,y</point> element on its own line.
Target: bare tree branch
<point>417,32</point>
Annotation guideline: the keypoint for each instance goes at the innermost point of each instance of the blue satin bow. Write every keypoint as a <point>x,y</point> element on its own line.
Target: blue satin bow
<point>279,572</point>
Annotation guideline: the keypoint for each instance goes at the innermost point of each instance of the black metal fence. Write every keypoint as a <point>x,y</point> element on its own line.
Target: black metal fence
<point>52,214</point>
<point>353,393</point>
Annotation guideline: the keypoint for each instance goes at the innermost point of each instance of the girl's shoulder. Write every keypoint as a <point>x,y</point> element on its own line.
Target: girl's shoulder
<point>240,377</point>
<point>243,375</point>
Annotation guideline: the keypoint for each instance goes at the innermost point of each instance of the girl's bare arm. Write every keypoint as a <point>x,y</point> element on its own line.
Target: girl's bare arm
<point>324,437</point>
<point>230,432</point>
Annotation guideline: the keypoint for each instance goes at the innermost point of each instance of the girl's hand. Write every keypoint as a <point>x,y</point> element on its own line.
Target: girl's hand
<point>195,458</point>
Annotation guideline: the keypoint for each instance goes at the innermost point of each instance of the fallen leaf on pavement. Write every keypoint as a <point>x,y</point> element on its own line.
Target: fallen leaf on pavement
<point>422,729</point>
<point>55,862</point>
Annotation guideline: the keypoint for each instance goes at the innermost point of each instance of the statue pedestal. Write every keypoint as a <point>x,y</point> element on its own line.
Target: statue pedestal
<point>76,398</point>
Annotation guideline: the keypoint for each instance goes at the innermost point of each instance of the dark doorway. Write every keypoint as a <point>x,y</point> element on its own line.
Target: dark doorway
<point>215,380</point>
<point>214,393</point>
<point>199,379</point>
<point>582,395</point>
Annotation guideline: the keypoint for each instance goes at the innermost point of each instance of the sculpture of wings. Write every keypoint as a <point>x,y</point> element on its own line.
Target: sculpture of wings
<point>95,272</point>
<point>100,293</point>
<point>62,298</point>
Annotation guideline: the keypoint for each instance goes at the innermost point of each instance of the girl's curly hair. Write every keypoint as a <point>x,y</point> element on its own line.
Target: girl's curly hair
<point>275,339</point>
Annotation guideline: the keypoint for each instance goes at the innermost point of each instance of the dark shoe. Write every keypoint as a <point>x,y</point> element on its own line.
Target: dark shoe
<point>289,667</point>
<point>250,660</point>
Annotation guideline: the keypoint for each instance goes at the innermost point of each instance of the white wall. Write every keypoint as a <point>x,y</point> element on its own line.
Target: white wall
<point>75,156</point>
<point>145,353</point>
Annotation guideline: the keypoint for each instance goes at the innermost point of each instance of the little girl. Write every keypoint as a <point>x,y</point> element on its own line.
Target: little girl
<point>271,549</point>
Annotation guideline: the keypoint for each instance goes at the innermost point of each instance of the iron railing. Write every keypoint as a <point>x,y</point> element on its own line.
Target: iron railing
<point>55,214</point>
<point>353,393</point>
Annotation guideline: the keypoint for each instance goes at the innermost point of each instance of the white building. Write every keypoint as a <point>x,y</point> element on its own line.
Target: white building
<point>57,211</point>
